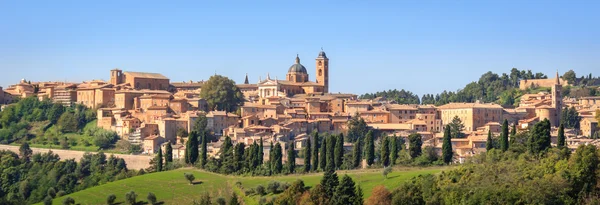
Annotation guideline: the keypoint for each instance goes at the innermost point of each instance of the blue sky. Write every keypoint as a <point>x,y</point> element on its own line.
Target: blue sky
<point>421,46</point>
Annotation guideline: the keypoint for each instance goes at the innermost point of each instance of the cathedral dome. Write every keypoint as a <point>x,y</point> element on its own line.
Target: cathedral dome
<point>322,54</point>
<point>297,67</point>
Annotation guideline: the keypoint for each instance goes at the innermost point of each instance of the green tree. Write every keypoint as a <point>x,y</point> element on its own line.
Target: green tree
<point>159,160</point>
<point>329,182</point>
<point>190,177</point>
<point>339,150</point>
<point>203,155</point>
<point>570,118</point>
<point>356,154</point>
<point>357,128</point>
<point>25,151</point>
<point>584,166</point>
<point>370,148</point>
<point>504,136</point>
<point>560,142</point>
<point>110,199</point>
<point>130,198</point>
<point>221,93</point>
<point>315,150</point>
<point>385,151</point>
<point>331,152</point>
<point>456,127</point>
<point>192,148</point>
<point>323,160</point>
<point>238,156</point>
<point>227,156</point>
<point>489,144</point>
<point>261,152</point>
<point>291,158</point>
<point>393,150</point>
<point>55,112</point>
<point>358,200</point>
<point>307,156</point>
<point>539,139</point>
<point>168,154</point>
<point>447,146</point>
<point>277,157</point>
<point>415,143</point>
<point>234,199</point>
<point>67,123</point>
<point>182,133</point>
<point>345,192</point>
<point>570,77</point>
<point>151,198</point>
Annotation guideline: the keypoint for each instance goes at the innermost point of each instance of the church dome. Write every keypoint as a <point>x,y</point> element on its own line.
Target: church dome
<point>297,67</point>
<point>322,54</point>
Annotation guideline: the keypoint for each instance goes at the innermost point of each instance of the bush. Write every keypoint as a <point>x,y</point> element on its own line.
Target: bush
<point>68,201</point>
<point>387,171</point>
<point>48,200</point>
<point>221,201</point>
<point>61,193</point>
<point>189,177</point>
<point>249,192</point>
<point>111,199</point>
<point>105,139</point>
<point>151,198</point>
<point>273,187</point>
<point>260,190</point>
<point>130,197</point>
<point>52,192</point>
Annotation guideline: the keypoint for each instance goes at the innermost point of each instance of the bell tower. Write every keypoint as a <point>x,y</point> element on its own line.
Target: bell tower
<point>323,71</point>
<point>116,76</point>
<point>557,101</point>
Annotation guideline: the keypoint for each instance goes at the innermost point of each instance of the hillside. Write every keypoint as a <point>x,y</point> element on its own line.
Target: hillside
<point>171,187</point>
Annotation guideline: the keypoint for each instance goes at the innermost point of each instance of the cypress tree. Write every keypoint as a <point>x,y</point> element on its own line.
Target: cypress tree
<point>561,136</point>
<point>315,150</point>
<point>370,148</point>
<point>504,136</point>
<point>339,151</point>
<point>271,158</point>
<point>359,196</point>
<point>331,153</point>
<point>255,155</point>
<point>192,148</point>
<point>227,156</point>
<point>356,154</point>
<point>329,182</point>
<point>323,160</point>
<point>291,158</point>
<point>385,151</point>
<point>345,192</point>
<point>447,146</point>
<point>203,155</point>
<point>489,144</point>
<point>168,153</point>
<point>393,149</point>
<point>159,160</point>
<point>238,156</point>
<point>277,166</point>
<point>307,156</point>
<point>261,153</point>
<point>513,133</point>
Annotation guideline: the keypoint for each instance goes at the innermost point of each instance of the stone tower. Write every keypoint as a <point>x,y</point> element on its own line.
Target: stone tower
<point>323,71</point>
<point>116,76</point>
<point>557,101</point>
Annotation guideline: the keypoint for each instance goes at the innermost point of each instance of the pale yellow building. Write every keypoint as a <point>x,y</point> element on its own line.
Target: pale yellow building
<point>472,115</point>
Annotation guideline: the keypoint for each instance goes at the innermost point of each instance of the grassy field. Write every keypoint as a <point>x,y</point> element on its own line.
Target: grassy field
<point>172,188</point>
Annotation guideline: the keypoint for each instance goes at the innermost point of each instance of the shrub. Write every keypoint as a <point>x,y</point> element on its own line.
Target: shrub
<point>273,187</point>
<point>68,201</point>
<point>221,201</point>
<point>48,200</point>
<point>387,171</point>
<point>249,192</point>
<point>260,190</point>
<point>111,199</point>
<point>189,177</point>
<point>130,197</point>
<point>61,193</point>
<point>52,192</point>
<point>151,198</point>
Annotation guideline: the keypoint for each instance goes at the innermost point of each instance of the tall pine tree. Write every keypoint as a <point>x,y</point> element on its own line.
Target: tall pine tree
<point>393,149</point>
<point>385,151</point>
<point>356,154</point>
<point>168,154</point>
<point>560,142</point>
<point>447,146</point>
<point>192,148</point>
<point>159,160</point>
<point>315,150</point>
<point>345,192</point>
<point>370,148</point>
<point>489,144</point>
<point>323,157</point>
<point>227,157</point>
<point>504,136</point>
<point>331,153</point>
<point>238,156</point>
<point>307,156</point>
<point>261,152</point>
<point>271,159</point>
<point>203,154</point>
<point>277,156</point>
<point>339,151</point>
<point>291,158</point>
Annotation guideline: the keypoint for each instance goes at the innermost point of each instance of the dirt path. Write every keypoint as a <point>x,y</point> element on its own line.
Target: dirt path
<point>133,161</point>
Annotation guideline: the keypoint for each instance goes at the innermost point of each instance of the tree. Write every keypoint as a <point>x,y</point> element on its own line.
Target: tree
<point>329,182</point>
<point>307,156</point>
<point>168,154</point>
<point>203,155</point>
<point>25,151</point>
<point>238,156</point>
<point>570,118</point>
<point>387,171</point>
<point>415,144</point>
<point>331,142</point>
<point>205,199</point>
<point>192,148</point>
<point>570,77</point>
<point>221,93</point>
<point>393,150</point>
<point>539,139</point>
<point>339,151</point>
<point>48,200</point>
<point>323,160</point>
<point>357,128</point>
<point>51,192</point>
<point>151,198</point>
<point>447,146</point>
<point>385,151</point>
<point>277,157</point>
<point>110,199</point>
<point>345,192</point>
<point>489,144</point>
<point>159,160</point>
<point>370,148</point>
<point>315,150</point>
<point>291,158</point>
<point>55,112</point>
<point>380,196</point>
<point>190,177</point>
<point>261,152</point>
<point>560,141</point>
<point>130,198</point>
<point>182,132</point>
<point>67,123</point>
<point>359,196</point>
<point>227,156</point>
<point>356,154</point>
<point>456,127</point>
<point>234,199</point>
<point>504,136</point>
<point>584,165</point>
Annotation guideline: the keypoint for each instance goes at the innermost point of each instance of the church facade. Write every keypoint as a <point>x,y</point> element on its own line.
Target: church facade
<point>297,80</point>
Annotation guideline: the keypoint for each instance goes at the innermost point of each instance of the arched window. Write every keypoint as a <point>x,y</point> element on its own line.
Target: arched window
<point>320,72</point>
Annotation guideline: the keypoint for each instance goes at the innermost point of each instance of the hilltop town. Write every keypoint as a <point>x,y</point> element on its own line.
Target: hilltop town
<point>150,110</point>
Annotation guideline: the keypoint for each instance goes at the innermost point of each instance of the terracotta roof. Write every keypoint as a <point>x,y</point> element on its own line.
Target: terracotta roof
<point>145,75</point>
<point>470,105</point>
<point>187,85</point>
<point>247,86</point>
<point>401,107</point>
<point>390,126</point>
<point>373,111</point>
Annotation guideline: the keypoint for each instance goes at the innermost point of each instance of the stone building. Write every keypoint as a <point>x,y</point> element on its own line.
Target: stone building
<point>472,115</point>
<point>96,94</point>
<point>140,80</point>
